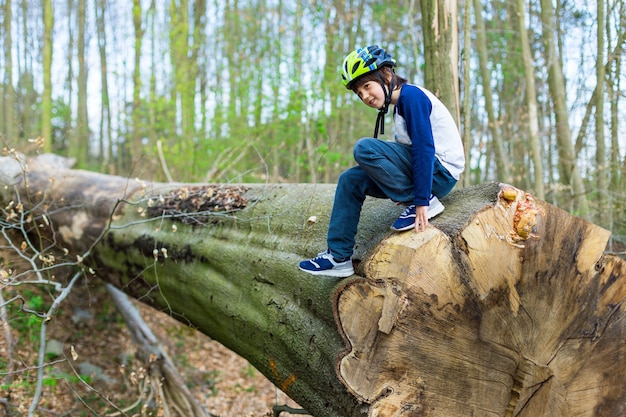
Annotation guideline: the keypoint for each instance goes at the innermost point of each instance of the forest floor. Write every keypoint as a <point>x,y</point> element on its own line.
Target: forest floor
<point>223,382</point>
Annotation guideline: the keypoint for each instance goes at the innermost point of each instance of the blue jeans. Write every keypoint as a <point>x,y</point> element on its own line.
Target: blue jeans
<point>384,171</point>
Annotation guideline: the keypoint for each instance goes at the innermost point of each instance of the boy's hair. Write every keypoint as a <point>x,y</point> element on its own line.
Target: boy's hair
<point>386,73</point>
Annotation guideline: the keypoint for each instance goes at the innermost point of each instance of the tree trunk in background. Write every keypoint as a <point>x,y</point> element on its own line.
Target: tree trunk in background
<point>601,159</point>
<point>431,326</point>
<point>137,130</point>
<point>466,107</point>
<point>105,140</point>
<point>441,52</point>
<point>531,100</point>
<point>569,172</point>
<point>153,97</point>
<point>502,160</point>
<point>508,79</point>
<point>617,167</point>
<point>201,58</point>
<point>27,98</point>
<point>233,70</point>
<point>335,50</point>
<point>9,124</point>
<point>185,74</point>
<point>46,96</point>
<point>299,125</point>
<point>79,146</point>
<point>68,141</point>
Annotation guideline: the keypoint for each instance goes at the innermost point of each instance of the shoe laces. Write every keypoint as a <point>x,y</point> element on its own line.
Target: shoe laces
<point>407,210</point>
<point>323,255</point>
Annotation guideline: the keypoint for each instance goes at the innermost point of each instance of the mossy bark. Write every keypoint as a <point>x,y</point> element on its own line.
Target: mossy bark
<point>505,306</point>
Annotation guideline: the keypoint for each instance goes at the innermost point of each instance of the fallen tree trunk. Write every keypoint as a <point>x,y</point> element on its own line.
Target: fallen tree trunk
<point>507,306</point>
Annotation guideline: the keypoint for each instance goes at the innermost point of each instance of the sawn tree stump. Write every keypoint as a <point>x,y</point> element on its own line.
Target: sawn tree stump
<point>518,313</point>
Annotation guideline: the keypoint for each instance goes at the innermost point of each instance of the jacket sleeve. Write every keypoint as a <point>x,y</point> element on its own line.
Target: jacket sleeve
<point>415,107</point>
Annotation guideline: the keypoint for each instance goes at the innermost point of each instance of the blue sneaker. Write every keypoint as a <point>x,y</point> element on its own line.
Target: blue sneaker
<point>325,264</point>
<point>406,221</point>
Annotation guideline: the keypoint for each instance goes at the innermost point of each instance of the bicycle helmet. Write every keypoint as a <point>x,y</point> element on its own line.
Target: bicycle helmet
<point>362,61</point>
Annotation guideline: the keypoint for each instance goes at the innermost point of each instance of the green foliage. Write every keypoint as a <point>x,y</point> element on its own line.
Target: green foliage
<point>211,378</point>
<point>249,91</point>
<point>50,382</point>
<point>35,302</point>
<point>239,387</point>
<point>25,323</point>
<point>249,371</point>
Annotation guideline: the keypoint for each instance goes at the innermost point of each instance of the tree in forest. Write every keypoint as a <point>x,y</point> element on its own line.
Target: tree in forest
<point>440,20</point>
<point>500,155</point>
<point>601,157</point>
<point>429,325</point>
<point>136,130</point>
<point>46,98</point>
<point>617,170</point>
<point>569,173</point>
<point>9,123</point>
<point>105,141</point>
<point>531,100</point>
<point>80,139</point>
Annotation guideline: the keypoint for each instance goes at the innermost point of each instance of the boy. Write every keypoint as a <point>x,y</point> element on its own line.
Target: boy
<point>422,165</point>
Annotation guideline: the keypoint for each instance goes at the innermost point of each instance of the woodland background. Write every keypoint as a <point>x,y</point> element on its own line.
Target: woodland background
<point>248,90</point>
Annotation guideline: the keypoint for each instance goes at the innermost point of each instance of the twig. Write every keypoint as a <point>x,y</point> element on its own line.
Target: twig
<point>42,341</point>
<point>165,380</point>
<point>277,409</point>
<point>90,388</point>
<point>163,162</point>
<point>7,407</point>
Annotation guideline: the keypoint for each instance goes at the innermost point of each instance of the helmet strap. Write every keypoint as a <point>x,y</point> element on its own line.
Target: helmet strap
<point>380,122</point>
<point>380,119</point>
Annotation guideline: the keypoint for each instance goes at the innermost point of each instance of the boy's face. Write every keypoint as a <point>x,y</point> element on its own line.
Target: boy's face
<point>372,94</point>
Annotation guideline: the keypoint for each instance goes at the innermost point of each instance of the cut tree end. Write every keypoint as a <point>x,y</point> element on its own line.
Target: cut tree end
<point>517,314</point>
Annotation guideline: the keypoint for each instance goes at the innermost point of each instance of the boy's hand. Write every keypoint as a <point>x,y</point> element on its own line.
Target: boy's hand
<point>421,218</point>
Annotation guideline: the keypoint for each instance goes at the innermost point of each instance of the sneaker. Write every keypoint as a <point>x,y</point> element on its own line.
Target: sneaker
<point>406,221</point>
<point>325,264</point>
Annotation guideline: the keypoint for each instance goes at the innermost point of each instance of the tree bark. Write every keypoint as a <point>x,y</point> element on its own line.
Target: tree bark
<point>506,306</point>
<point>502,159</point>
<point>78,147</point>
<point>466,121</point>
<point>568,168</point>
<point>602,171</point>
<point>105,137</point>
<point>531,100</point>
<point>138,129</point>
<point>8,122</point>
<point>441,52</point>
<point>46,96</point>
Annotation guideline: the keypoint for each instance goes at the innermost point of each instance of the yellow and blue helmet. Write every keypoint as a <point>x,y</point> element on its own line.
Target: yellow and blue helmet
<point>362,61</point>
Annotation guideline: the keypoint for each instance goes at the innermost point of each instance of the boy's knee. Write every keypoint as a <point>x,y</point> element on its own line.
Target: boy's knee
<point>362,148</point>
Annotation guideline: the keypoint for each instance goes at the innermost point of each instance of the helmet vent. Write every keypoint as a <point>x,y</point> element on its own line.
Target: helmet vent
<point>370,61</point>
<point>355,67</point>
